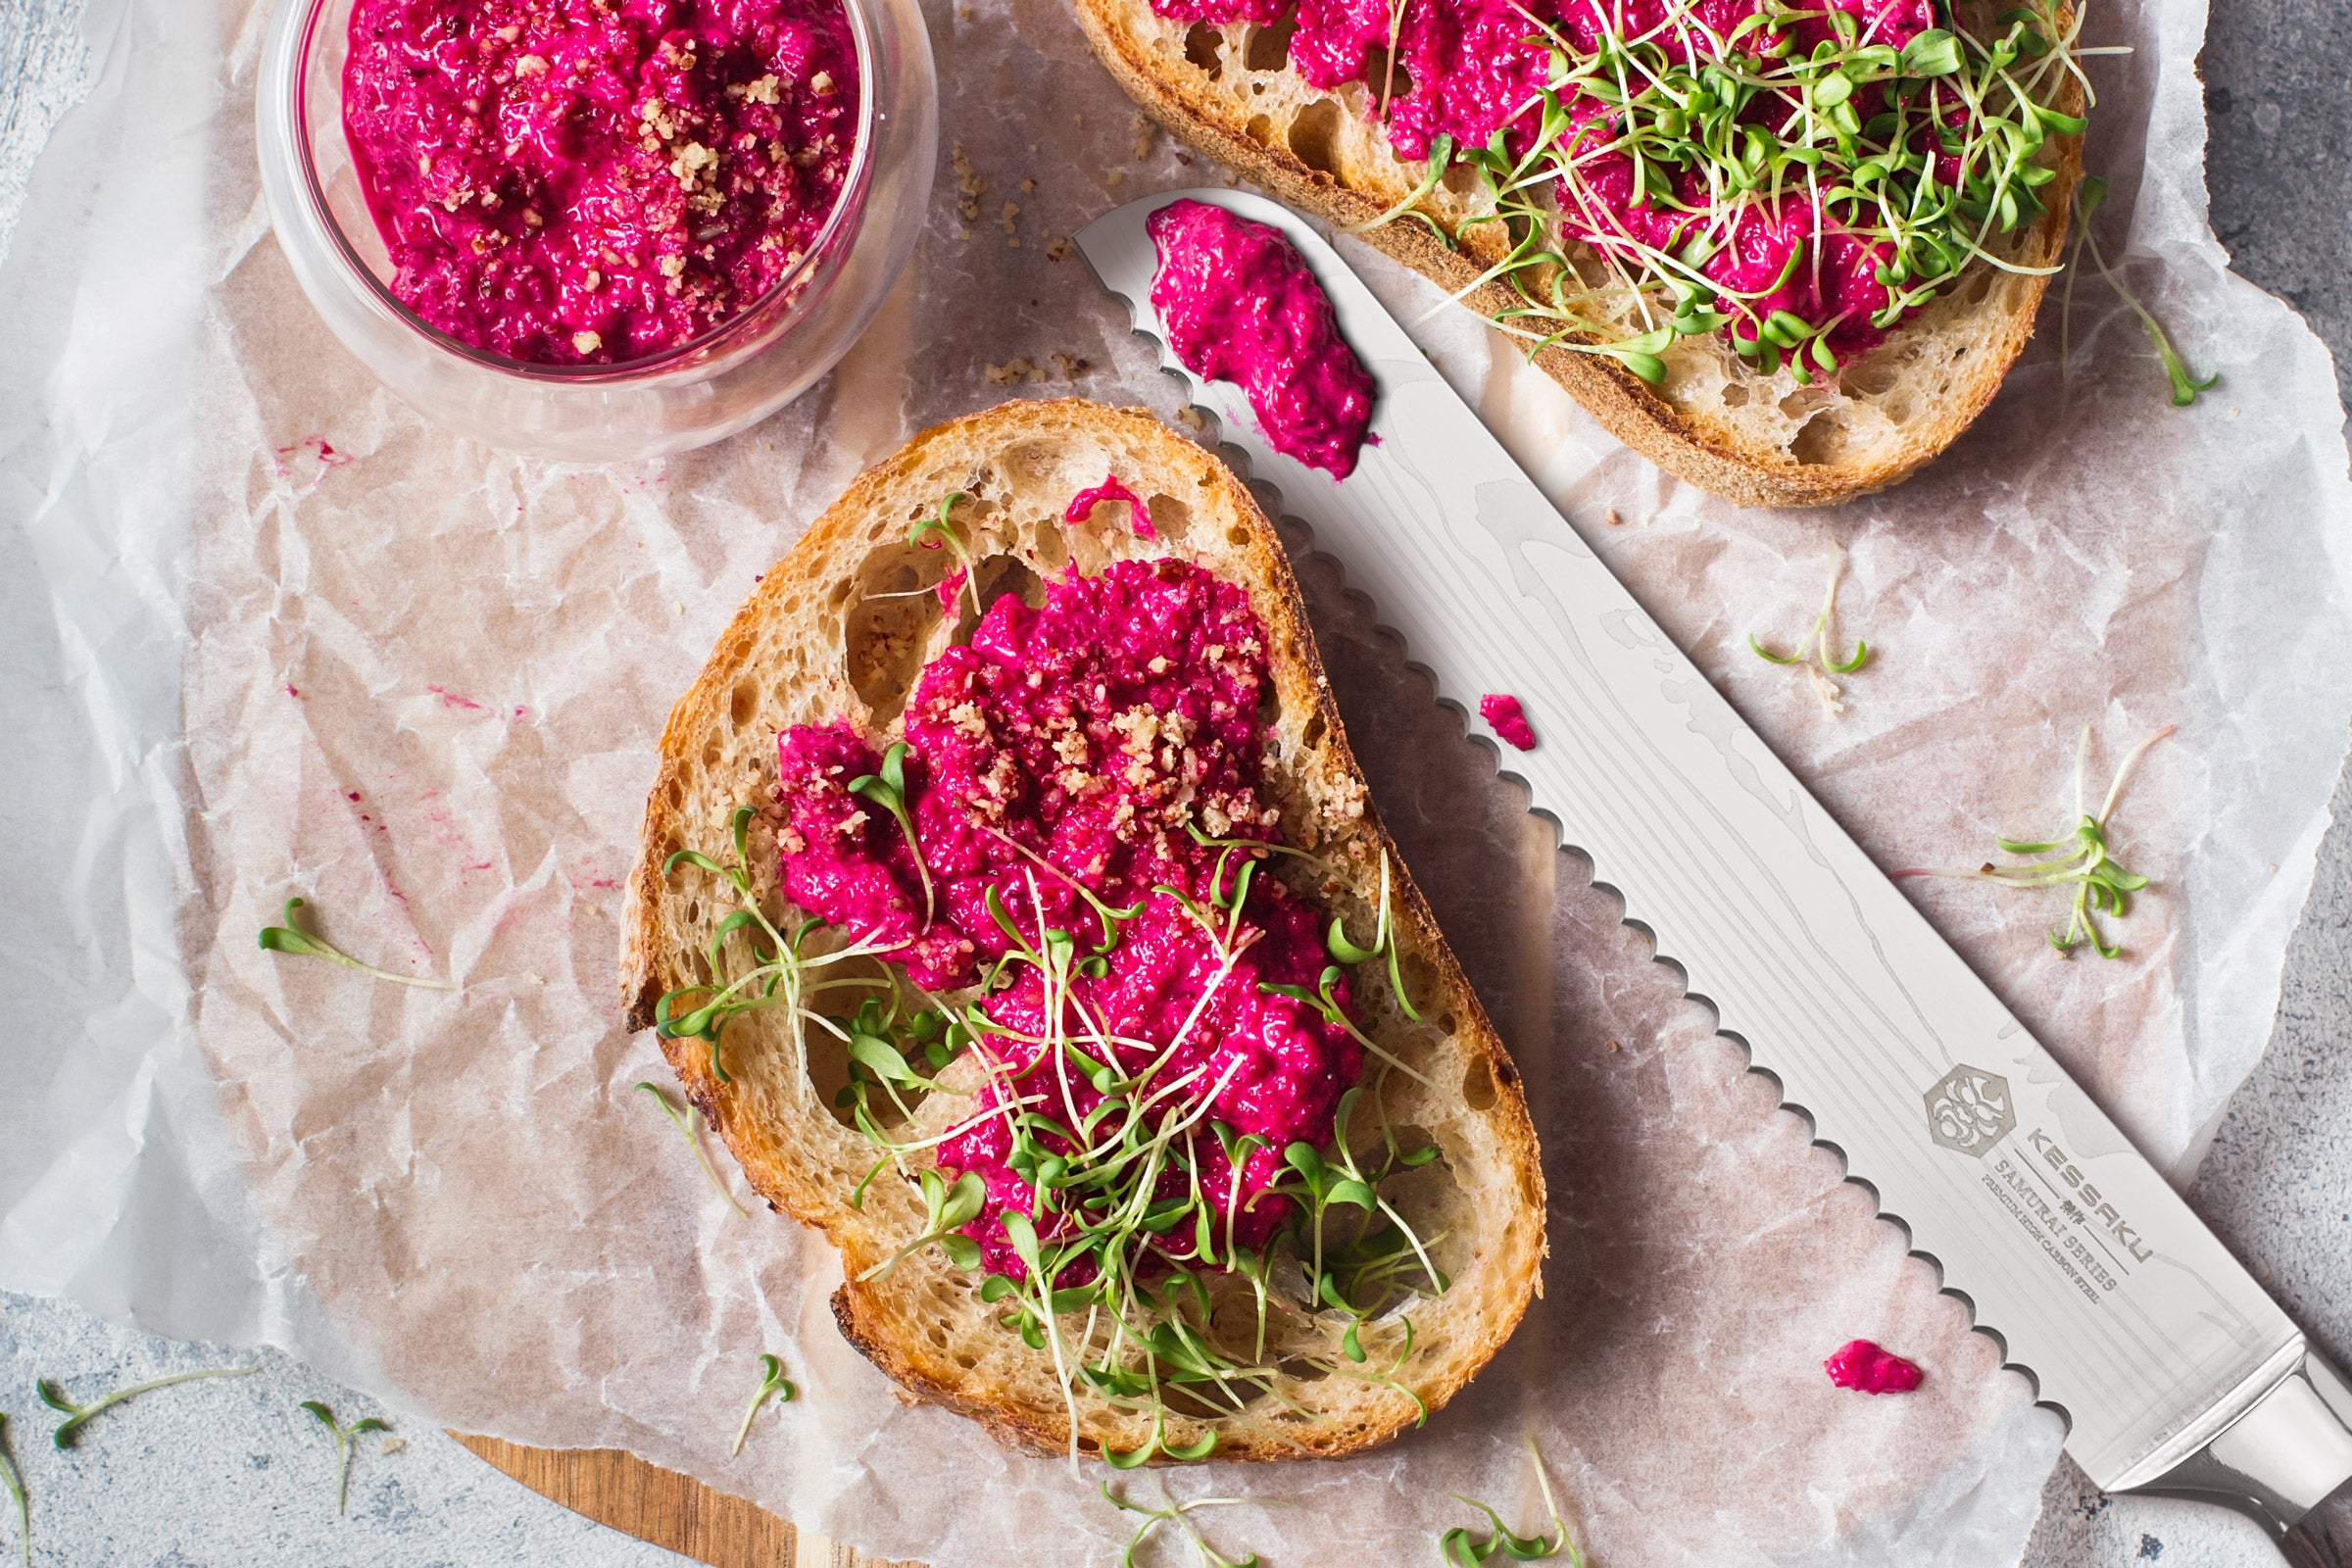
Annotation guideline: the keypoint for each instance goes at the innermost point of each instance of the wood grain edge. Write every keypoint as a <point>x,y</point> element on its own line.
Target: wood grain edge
<point>624,1492</point>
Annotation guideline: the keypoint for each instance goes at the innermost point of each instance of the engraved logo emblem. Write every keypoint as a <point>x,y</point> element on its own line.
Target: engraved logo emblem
<point>1969,1110</point>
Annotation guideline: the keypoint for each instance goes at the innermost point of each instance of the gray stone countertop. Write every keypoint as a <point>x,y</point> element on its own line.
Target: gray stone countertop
<point>231,1473</point>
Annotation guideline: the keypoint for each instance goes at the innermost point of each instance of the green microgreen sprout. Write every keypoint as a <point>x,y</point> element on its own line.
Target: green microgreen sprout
<point>1382,941</point>
<point>2089,195</point>
<point>933,532</point>
<point>947,1211</point>
<point>701,1155</point>
<point>292,938</point>
<point>1816,644</point>
<point>888,790</point>
<point>2080,859</point>
<point>786,975</point>
<point>1172,1511</point>
<point>13,1481</point>
<point>78,1415</point>
<point>1944,174</point>
<point>773,1384</point>
<point>346,1442</point>
<point>1459,1547</point>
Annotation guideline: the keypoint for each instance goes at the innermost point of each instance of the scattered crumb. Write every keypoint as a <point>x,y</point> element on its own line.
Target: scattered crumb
<point>1012,372</point>
<point>1010,218</point>
<point>1612,1044</point>
<point>1058,249</point>
<point>1145,133</point>
<point>1115,178</point>
<point>968,184</point>
<point>587,342</point>
<point>393,1444</point>
<point>1028,187</point>
<point>1614,520</point>
<point>678,609</point>
<point>1068,367</point>
<point>1192,418</point>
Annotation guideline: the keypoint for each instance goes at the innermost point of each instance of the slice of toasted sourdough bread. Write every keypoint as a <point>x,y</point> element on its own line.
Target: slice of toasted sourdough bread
<point>841,628</point>
<point>1758,440</point>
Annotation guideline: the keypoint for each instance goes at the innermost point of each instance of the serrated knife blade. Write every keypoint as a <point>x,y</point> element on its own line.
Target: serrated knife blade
<point>2172,1367</point>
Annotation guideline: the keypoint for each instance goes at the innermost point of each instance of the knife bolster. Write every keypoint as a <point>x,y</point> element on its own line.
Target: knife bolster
<point>2287,1455</point>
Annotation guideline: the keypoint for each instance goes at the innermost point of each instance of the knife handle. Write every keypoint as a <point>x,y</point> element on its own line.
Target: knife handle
<point>2286,1460</point>
<point>2324,1539</point>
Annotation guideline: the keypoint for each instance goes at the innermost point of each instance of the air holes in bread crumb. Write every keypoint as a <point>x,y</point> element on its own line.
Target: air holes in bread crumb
<point>883,639</point>
<point>1259,129</point>
<point>1238,538</point>
<point>1000,575</point>
<point>1302,1371</point>
<point>1478,1086</point>
<point>1315,136</point>
<point>1269,48</point>
<point>1313,736</point>
<point>1871,378</point>
<point>1735,395</point>
<point>746,698</point>
<point>1051,551</point>
<point>1169,517</point>
<point>1448,1025</point>
<point>1204,47</point>
<point>1398,83</point>
<point>1822,439</point>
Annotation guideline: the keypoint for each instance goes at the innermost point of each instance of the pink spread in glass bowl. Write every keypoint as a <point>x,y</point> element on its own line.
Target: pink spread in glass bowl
<point>591,181</point>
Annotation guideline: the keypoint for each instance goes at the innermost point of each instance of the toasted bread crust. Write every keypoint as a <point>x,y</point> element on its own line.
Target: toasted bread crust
<point>1624,405</point>
<point>782,1152</point>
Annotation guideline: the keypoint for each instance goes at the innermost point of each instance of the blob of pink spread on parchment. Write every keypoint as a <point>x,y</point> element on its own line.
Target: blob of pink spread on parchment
<point>1508,718</point>
<point>1872,1369</point>
<point>1082,504</point>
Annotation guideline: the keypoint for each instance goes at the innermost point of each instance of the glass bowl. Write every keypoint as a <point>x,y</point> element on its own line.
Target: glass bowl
<point>713,385</point>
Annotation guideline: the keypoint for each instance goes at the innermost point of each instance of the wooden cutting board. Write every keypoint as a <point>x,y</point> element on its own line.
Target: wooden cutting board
<point>621,1491</point>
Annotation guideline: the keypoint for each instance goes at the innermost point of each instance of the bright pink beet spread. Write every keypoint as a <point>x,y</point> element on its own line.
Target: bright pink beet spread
<point>1090,734</point>
<point>1082,507</point>
<point>588,181</point>
<point>1508,718</point>
<point>1872,1369</point>
<point>1241,306</point>
<point>1470,67</point>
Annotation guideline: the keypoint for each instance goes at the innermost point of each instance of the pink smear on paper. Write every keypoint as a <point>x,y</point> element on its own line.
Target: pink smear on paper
<point>1082,504</point>
<point>450,698</point>
<point>1872,1369</point>
<point>1508,718</point>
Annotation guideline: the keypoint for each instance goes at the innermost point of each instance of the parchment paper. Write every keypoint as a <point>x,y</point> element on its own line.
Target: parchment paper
<point>271,634</point>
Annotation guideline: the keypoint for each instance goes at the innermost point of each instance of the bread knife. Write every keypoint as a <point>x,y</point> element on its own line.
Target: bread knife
<point>2172,1369</point>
